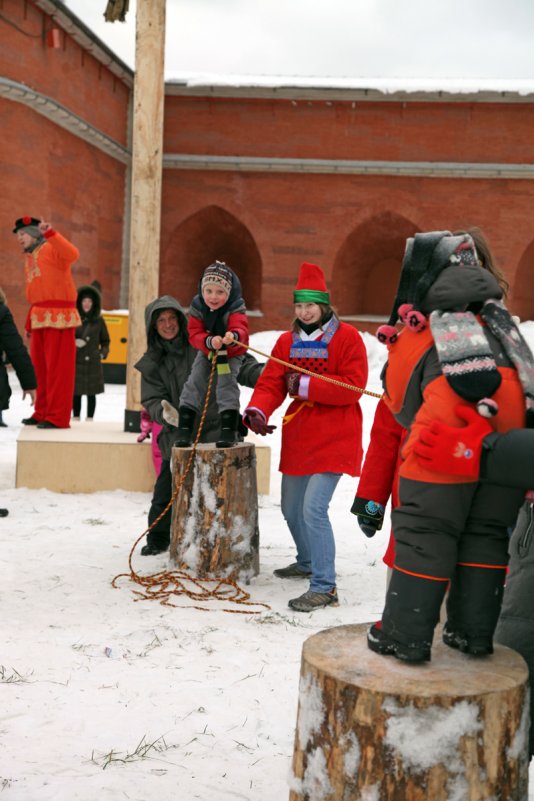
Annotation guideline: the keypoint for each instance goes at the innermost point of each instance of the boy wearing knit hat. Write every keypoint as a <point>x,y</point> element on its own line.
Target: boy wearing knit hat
<point>52,319</point>
<point>217,324</point>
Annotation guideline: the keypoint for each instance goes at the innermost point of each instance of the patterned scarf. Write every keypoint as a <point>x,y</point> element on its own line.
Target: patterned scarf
<point>466,357</point>
<point>314,348</point>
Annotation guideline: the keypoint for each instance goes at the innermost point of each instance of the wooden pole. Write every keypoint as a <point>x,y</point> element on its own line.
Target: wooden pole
<point>370,727</point>
<point>147,154</point>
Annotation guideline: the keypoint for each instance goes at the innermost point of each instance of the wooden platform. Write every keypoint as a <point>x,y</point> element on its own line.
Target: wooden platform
<point>97,456</point>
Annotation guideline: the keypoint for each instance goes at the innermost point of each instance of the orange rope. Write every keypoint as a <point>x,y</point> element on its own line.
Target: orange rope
<point>161,586</point>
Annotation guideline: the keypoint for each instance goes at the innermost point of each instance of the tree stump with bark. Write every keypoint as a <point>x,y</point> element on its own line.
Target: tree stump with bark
<point>214,528</point>
<point>370,728</point>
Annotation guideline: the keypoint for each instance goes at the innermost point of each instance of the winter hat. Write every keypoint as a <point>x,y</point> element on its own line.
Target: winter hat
<point>311,285</point>
<point>425,257</point>
<point>217,273</point>
<point>28,225</point>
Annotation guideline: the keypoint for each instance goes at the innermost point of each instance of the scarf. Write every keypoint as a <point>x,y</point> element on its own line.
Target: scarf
<point>466,357</point>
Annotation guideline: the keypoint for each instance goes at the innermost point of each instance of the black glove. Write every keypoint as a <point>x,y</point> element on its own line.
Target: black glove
<point>104,353</point>
<point>370,515</point>
<point>367,525</point>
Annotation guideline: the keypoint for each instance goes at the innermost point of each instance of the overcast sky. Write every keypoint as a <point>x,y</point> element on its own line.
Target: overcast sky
<point>447,39</point>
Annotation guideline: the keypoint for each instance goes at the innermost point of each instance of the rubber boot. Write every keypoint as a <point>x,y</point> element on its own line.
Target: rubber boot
<point>473,609</point>
<point>186,423</point>
<point>229,425</point>
<point>410,617</point>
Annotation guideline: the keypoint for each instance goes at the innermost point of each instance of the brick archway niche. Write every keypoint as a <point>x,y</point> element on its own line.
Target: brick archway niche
<point>209,234</point>
<point>366,270</point>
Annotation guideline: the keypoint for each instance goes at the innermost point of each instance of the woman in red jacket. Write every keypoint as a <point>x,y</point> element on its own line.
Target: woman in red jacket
<point>322,428</point>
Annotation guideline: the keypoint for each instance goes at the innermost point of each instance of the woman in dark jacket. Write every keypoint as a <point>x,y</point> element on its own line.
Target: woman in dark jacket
<point>92,345</point>
<point>164,370</point>
<point>16,354</point>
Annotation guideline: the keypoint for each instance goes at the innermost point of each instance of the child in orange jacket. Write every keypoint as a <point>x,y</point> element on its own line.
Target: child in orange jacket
<point>459,344</point>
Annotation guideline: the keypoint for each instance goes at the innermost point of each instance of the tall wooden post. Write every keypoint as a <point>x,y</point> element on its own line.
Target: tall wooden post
<point>147,155</point>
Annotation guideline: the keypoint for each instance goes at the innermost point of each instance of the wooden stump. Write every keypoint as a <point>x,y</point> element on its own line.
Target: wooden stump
<point>214,528</point>
<point>370,728</point>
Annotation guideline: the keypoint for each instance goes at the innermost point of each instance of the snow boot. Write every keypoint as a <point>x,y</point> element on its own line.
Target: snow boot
<point>385,645</point>
<point>473,608</point>
<point>410,617</point>
<point>229,425</point>
<point>186,423</point>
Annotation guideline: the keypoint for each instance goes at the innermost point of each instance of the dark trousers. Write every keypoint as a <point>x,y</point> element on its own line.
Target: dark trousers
<point>160,535</point>
<point>443,532</point>
<point>77,405</point>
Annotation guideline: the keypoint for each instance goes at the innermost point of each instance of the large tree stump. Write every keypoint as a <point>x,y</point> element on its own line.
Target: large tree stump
<point>214,528</point>
<point>370,728</point>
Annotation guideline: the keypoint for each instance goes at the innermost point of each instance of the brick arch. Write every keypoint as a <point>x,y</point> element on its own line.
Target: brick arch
<point>522,300</point>
<point>208,234</point>
<point>367,267</point>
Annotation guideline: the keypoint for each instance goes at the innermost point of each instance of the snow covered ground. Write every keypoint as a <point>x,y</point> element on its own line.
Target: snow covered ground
<point>106,698</point>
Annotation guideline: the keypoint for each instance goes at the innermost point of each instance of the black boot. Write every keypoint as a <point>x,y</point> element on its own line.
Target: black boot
<point>410,617</point>
<point>473,609</point>
<point>186,423</point>
<point>229,425</point>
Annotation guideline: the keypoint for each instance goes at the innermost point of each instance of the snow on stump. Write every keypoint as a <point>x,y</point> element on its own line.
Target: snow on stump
<point>370,728</point>
<point>214,528</point>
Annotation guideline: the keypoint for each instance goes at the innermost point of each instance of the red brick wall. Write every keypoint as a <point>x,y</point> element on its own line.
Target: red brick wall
<point>47,171</point>
<point>414,131</point>
<point>353,226</point>
<point>264,224</point>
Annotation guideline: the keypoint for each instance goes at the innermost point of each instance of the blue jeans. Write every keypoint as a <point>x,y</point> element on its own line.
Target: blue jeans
<point>305,502</point>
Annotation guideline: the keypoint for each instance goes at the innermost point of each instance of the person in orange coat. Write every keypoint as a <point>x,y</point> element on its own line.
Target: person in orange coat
<point>52,319</point>
<point>459,348</point>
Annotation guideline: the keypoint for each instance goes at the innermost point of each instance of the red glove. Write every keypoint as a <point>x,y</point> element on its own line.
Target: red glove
<point>256,421</point>
<point>453,450</point>
<point>292,383</point>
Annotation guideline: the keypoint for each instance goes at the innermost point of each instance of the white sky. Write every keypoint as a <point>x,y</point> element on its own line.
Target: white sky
<point>445,39</point>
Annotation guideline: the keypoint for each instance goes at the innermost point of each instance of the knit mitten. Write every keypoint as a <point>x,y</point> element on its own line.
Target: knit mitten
<point>465,355</point>
<point>292,383</point>
<point>453,450</point>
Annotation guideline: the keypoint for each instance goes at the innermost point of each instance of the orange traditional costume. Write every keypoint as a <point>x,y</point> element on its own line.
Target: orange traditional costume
<point>52,321</point>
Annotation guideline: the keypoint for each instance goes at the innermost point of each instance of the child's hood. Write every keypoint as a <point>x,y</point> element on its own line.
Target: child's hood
<point>460,286</point>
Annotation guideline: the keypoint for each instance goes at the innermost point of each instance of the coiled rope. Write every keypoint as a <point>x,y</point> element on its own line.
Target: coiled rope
<point>168,583</point>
